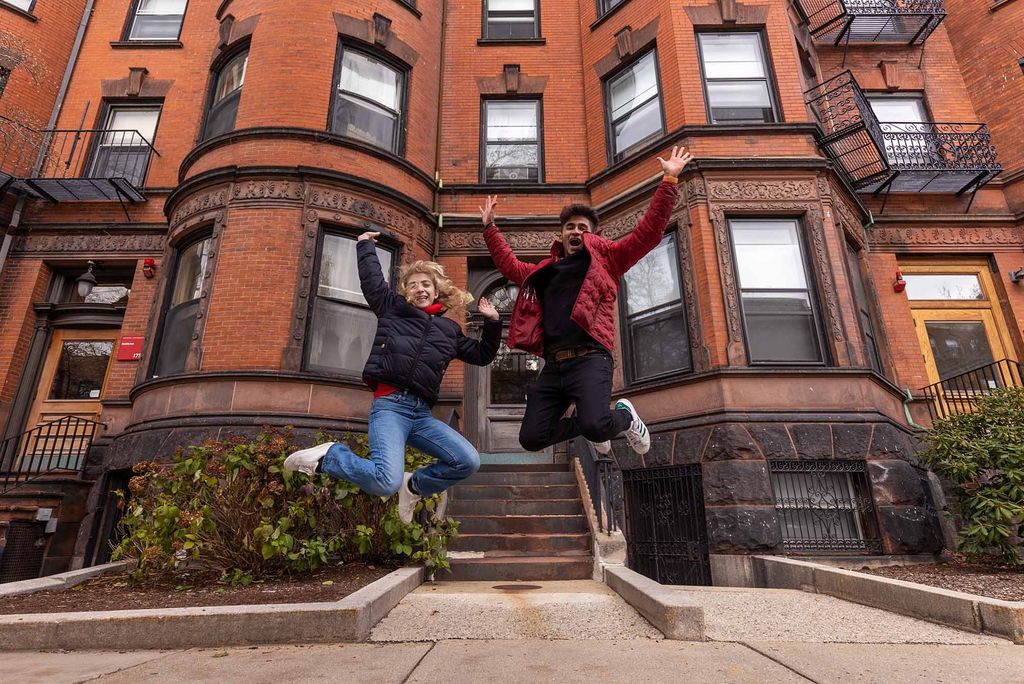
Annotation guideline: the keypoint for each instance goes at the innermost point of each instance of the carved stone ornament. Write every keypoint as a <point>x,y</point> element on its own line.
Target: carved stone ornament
<point>268,190</point>
<point>1002,236</point>
<point>196,204</point>
<point>511,78</point>
<point>386,217</point>
<point>698,353</point>
<point>761,190</point>
<point>88,243</point>
<point>623,225</point>
<point>696,190</point>
<point>534,241</point>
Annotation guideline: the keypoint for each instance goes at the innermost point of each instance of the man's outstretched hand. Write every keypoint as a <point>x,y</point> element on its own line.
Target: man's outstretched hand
<point>487,211</point>
<point>676,162</point>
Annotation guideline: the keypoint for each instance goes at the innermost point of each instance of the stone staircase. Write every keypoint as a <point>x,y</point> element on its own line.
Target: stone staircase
<point>519,522</point>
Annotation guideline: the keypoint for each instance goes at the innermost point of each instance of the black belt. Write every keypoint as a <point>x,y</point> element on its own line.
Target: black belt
<point>569,353</point>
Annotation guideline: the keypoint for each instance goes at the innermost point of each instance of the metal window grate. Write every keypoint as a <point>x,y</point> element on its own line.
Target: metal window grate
<point>666,533</point>
<point>22,557</point>
<point>825,506</point>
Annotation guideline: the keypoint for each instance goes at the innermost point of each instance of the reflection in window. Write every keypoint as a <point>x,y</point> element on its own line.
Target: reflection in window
<point>81,370</point>
<point>157,19</point>
<point>512,148</point>
<point>943,286</point>
<point>511,374</point>
<point>958,346</point>
<point>511,19</point>
<point>656,333</point>
<point>633,106</point>
<point>342,326</point>
<point>735,78</point>
<point>180,319</point>
<point>368,100</point>
<point>778,313</point>
<point>227,93</point>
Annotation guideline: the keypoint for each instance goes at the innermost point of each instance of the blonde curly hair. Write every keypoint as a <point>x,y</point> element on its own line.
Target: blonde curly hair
<point>450,295</point>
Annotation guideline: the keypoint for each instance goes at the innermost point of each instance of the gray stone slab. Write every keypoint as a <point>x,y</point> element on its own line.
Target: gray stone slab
<point>906,664</point>
<point>30,586</point>
<point>587,662</point>
<point>377,663</point>
<point>74,577</point>
<point>667,610</point>
<point>31,667</point>
<point>784,573</point>
<point>1005,618</point>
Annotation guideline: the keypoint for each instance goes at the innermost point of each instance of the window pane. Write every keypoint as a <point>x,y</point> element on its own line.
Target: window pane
<point>179,324</point>
<point>339,275</point>
<point>660,345</point>
<point>511,27</point>
<point>654,280</point>
<point>511,374</point>
<point>958,346</point>
<point>341,336</point>
<point>80,370</point>
<point>768,254</point>
<point>231,77</point>
<point>191,271</point>
<point>222,116</point>
<point>20,4</point>
<point>371,78</point>
<point>163,6</point>
<point>512,162</point>
<point>510,5</point>
<point>511,121</point>
<point>361,120</point>
<point>731,55</point>
<point>101,294</point>
<point>637,126</point>
<point>158,20</point>
<point>898,109</point>
<point>943,286</point>
<point>780,327</point>
<point>131,126</point>
<point>632,87</point>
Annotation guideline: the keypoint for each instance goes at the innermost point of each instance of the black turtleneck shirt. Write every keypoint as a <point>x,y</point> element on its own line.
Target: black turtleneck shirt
<point>558,286</point>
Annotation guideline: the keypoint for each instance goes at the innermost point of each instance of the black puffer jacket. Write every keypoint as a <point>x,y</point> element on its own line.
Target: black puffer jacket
<point>412,349</point>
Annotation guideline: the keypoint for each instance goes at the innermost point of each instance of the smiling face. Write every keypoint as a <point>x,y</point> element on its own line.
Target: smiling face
<point>420,290</point>
<point>572,233</point>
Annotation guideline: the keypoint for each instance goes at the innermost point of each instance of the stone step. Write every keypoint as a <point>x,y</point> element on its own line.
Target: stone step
<point>459,507</point>
<point>526,544</point>
<point>526,568</point>
<point>523,524</point>
<point>524,467</point>
<point>520,478</point>
<point>564,491</point>
<point>515,457</point>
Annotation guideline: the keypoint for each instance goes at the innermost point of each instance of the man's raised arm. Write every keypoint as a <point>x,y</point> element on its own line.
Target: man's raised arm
<point>504,258</point>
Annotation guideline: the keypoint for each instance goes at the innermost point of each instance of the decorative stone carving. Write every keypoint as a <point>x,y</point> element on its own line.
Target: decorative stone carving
<point>199,203</point>
<point>519,240</point>
<point>730,288</point>
<point>698,354</point>
<point>88,243</point>
<point>1000,236</point>
<point>381,29</point>
<point>386,217</point>
<point>511,78</point>
<point>828,286</point>
<point>761,190</point>
<point>267,189</point>
<point>696,190</point>
<point>624,42</point>
<point>291,357</point>
<point>618,227</point>
<point>136,75</point>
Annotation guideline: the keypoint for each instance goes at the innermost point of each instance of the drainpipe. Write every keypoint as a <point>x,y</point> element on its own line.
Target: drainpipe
<point>907,398</point>
<point>437,133</point>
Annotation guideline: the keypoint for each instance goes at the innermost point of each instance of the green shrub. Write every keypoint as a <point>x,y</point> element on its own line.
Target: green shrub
<point>982,455</point>
<point>230,506</point>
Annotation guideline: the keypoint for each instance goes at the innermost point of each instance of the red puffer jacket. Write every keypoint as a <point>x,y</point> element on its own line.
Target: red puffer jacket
<point>594,310</point>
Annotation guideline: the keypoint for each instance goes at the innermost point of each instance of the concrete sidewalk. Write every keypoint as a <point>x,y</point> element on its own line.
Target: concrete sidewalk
<point>639,660</point>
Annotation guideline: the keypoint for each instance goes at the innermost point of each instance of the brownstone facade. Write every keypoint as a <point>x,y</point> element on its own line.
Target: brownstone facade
<point>349,115</point>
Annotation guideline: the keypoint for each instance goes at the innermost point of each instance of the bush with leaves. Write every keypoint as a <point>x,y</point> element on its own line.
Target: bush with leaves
<point>982,454</point>
<point>230,506</point>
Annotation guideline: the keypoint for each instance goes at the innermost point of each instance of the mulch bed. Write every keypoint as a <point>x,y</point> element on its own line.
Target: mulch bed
<point>196,588</point>
<point>993,581</point>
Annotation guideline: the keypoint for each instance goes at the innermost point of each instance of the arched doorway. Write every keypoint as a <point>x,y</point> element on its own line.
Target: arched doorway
<point>496,394</point>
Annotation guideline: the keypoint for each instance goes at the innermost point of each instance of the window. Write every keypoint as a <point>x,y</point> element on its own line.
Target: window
<point>157,19</point>
<point>179,321</point>
<point>860,297</point>
<point>227,91</point>
<point>778,310</point>
<point>606,6</point>
<point>908,139</point>
<point>368,100</point>
<point>656,337</point>
<point>511,19</point>
<point>735,78</point>
<point>81,370</point>
<point>5,76</point>
<point>25,5</point>
<point>113,286</point>
<point>633,106</point>
<point>342,325</point>
<point>122,149</point>
<point>512,150</point>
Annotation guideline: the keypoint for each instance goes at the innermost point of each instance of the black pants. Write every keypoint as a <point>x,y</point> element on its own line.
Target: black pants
<point>585,380</point>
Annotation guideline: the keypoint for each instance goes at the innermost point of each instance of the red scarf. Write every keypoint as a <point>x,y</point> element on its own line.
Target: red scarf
<point>384,389</point>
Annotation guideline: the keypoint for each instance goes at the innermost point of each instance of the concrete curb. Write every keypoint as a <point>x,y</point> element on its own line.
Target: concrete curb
<point>956,609</point>
<point>63,580</point>
<point>672,614</point>
<point>349,619</point>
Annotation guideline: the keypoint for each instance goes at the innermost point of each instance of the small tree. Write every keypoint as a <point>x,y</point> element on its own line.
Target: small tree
<point>982,454</point>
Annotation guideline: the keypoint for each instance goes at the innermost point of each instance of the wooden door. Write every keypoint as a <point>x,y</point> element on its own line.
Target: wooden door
<point>500,400</point>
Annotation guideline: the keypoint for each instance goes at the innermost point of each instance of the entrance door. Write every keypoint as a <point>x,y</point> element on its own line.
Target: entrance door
<point>501,399</point>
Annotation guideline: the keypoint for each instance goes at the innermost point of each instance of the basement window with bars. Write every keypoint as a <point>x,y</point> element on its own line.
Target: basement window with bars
<point>824,506</point>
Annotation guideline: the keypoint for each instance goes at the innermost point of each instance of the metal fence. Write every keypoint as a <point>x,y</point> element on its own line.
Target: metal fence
<point>958,393</point>
<point>597,470</point>
<point>61,444</point>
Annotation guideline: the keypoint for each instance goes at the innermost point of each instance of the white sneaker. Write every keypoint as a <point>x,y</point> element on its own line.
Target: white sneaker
<point>636,434</point>
<point>306,460</point>
<point>406,500</point>
<point>604,448</point>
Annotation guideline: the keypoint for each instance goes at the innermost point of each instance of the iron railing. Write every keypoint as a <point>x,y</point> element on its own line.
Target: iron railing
<point>666,531</point>
<point>61,444</point>
<point>825,506</point>
<point>75,164</point>
<point>869,21</point>
<point>597,471</point>
<point>958,393</point>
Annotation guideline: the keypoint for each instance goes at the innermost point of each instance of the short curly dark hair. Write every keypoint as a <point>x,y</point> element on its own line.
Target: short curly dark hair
<point>578,210</point>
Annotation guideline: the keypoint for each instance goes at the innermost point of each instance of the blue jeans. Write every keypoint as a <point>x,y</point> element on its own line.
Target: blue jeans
<point>396,420</point>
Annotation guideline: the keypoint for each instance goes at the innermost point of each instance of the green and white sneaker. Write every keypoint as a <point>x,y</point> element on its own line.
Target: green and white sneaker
<point>636,434</point>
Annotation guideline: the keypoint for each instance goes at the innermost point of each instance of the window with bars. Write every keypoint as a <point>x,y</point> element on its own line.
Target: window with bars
<point>512,141</point>
<point>156,19</point>
<point>511,19</point>
<point>369,98</point>
<point>225,97</point>
<point>825,506</point>
<point>633,106</point>
<point>736,79</point>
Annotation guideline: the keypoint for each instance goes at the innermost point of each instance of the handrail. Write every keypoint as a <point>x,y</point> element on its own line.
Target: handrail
<point>958,393</point>
<point>597,471</point>
<point>60,444</point>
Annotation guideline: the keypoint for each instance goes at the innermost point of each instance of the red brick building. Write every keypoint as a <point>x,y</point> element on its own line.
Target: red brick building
<point>847,234</point>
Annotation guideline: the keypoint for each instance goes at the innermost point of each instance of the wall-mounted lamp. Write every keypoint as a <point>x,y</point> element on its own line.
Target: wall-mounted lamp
<point>86,282</point>
<point>148,267</point>
<point>1017,276</point>
<point>899,285</point>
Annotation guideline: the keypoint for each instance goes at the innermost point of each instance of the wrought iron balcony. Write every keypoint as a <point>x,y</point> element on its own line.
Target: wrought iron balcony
<point>957,394</point>
<point>68,165</point>
<point>898,157</point>
<point>871,21</point>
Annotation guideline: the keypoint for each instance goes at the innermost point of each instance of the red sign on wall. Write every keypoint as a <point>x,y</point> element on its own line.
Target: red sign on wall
<point>130,349</point>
